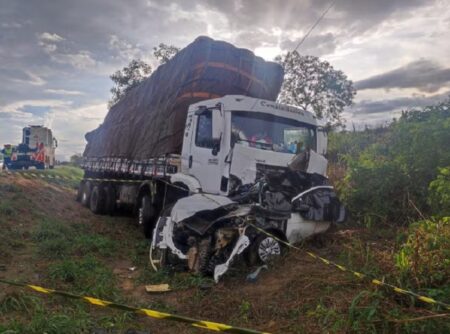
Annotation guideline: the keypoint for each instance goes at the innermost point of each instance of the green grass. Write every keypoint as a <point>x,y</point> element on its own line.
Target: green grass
<point>56,239</point>
<point>86,276</point>
<point>75,174</point>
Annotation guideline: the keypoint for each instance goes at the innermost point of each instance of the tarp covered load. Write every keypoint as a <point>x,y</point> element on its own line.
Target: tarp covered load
<point>149,121</point>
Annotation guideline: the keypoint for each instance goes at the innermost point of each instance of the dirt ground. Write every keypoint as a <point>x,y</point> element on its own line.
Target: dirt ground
<point>297,295</point>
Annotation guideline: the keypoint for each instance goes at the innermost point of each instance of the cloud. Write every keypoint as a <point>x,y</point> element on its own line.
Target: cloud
<point>402,103</point>
<point>124,49</point>
<point>81,60</point>
<point>424,75</point>
<point>48,37</point>
<point>51,44</point>
<point>31,79</point>
<point>63,92</point>
<point>316,45</point>
<point>19,108</point>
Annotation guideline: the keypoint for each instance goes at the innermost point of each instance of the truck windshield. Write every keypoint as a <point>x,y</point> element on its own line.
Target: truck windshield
<point>270,132</point>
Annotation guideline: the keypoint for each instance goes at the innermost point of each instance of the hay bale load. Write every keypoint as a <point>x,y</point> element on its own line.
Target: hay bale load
<point>149,121</point>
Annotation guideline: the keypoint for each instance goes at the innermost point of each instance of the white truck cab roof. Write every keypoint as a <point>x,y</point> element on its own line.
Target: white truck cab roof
<point>251,104</point>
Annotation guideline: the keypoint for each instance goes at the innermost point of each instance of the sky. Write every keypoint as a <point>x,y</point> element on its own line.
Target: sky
<point>56,56</point>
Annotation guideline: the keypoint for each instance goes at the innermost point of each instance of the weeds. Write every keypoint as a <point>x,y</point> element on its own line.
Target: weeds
<point>424,259</point>
<point>7,210</point>
<point>329,318</point>
<point>244,310</point>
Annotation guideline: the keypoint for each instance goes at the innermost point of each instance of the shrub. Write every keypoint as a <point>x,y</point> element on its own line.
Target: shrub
<point>388,179</point>
<point>424,259</point>
<point>439,197</point>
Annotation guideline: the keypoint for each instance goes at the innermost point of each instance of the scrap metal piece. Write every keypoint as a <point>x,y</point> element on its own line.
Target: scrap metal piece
<point>157,287</point>
<point>253,276</point>
<point>242,243</point>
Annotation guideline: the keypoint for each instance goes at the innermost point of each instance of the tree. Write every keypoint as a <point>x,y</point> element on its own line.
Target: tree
<point>163,53</point>
<point>76,159</point>
<point>314,85</point>
<point>127,78</point>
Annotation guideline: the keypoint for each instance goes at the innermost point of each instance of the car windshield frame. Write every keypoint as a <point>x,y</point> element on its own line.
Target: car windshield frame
<point>269,132</point>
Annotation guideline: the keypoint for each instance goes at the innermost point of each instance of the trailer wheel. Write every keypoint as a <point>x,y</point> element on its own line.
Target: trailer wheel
<point>146,215</point>
<point>110,199</point>
<point>97,200</point>
<point>86,193</point>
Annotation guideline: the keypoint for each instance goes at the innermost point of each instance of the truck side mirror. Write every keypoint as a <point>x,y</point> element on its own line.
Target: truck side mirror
<point>322,140</point>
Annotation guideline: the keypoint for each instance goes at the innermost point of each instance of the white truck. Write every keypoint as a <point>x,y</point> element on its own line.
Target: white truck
<point>233,167</point>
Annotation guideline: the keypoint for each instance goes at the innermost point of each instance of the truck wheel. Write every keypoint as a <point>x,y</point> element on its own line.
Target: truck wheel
<point>146,213</point>
<point>97,200</point>
<point>86,193</point>
<point>79,192</point>
<point>110,199</point>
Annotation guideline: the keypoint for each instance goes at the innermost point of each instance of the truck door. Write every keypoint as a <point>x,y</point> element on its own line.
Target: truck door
<point>206,158</point>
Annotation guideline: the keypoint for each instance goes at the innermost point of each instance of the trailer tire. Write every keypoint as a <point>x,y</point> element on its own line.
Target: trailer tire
<point>146,215</point>
<point>86,193</point>
<point>97,200</point>
<point>110,199</point>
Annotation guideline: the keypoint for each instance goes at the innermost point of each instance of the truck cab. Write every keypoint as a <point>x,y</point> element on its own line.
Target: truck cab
<point>228,140</point>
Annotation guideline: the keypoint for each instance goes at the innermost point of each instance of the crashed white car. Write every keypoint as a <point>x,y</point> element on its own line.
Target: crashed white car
<point>206,233</point>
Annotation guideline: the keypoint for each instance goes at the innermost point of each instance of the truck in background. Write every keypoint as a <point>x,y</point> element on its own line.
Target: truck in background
<point>238,164</point>
<point>37,149</point>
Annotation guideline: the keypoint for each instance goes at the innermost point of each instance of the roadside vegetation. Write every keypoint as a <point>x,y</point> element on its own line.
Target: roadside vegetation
<point>395,181</point>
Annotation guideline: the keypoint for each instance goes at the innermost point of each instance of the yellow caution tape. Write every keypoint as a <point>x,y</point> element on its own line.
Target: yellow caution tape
<point>374,281</point>
<point>213,326</point>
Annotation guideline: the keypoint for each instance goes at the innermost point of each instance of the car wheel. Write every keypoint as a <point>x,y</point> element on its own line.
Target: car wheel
<point>265,249</point>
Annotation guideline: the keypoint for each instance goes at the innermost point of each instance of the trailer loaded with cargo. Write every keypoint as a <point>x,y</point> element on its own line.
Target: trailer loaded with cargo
<point>207,160</point>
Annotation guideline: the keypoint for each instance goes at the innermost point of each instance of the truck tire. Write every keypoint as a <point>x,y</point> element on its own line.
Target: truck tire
<point>79,192</point>
<point>86,193</point>
<point>110,199</point>
<point>97,200</point>
<point>146,215</point>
